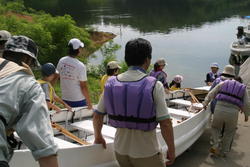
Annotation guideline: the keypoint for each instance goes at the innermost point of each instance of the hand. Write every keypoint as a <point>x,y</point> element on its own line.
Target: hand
<point>58,109</point>
<point>100,140</point>
<point>69,108</point>
<point>90,107</point>
<point>170,157</point>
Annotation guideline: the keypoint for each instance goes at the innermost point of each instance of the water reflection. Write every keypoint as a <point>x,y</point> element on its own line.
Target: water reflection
<point>190,34</point>
<point>145,15</point>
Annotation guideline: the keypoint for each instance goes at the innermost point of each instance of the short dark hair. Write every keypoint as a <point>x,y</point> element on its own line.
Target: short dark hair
<point>178,85</point>
<point>111,72</point>
<point>156,66</point>
<point>71,51</point>
<point>137,51</point>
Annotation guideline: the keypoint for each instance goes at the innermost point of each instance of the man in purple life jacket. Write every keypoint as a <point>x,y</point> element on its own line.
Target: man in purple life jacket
<point>159,74</point>
<point>134,104</point>
<point>228,73</point>
<point>231,97</point>
<point>213,74</point>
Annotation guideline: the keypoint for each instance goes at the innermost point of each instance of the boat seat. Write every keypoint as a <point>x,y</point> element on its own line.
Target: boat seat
<point>177,112</point>
<point>87,126</point>
<point>185,103</point>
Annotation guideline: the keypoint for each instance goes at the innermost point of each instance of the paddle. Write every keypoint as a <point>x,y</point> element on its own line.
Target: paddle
<point>68,134</point>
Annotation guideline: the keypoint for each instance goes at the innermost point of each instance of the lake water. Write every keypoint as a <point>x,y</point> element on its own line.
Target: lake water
<point>189,34</point>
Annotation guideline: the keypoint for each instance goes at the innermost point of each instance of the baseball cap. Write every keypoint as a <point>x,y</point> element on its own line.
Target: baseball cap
<point>22,44</point>
<point>113,65</point>
<point>216,65</point>
<point>161,62</point>
<point>76,43</point>
<point>48,69</point>
<point>4,35</point>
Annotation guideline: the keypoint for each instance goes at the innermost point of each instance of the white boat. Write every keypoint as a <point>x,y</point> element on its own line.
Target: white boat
<point>188,127</point>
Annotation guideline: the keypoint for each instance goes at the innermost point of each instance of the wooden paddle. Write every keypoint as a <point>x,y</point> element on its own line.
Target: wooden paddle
<point>68,134</point>
<point>195,100</point>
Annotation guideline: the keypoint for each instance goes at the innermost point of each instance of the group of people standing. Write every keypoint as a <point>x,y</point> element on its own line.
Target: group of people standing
<point>133,101</point>
<point>24,103</point>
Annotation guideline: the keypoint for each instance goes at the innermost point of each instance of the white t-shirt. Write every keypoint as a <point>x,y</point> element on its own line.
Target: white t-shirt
<point>71,71</point>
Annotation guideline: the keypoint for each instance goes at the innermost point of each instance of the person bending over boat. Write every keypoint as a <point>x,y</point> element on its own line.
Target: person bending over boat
<point>4,36</point>
<point>231,97</point>
<point>22,105</point>
<point>213,74</point>
<point>159,74</point>
<point>228,73</point>
<point>112,70</point>
<point>48,75</point>
<point>73,77</point>
<point>176,83</point>
<point>135,105</point>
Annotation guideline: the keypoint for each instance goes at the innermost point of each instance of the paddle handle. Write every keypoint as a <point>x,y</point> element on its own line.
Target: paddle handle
<point>68,134</point>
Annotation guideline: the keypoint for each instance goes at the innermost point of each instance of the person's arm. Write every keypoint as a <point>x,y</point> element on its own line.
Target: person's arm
<point>50,161</point>
<point>163,117</point>
<point>168,136</point>
<point>53,106</point>
<point>33,126</point>
<point>85,92</point>
<point>97,123</point>
<point>59,100</point>
<point>212,94</point>
<point>246,106</point>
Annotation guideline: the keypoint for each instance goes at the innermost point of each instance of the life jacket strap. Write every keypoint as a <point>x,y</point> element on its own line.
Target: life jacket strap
<point>132,119</point>
<point>3,64</point>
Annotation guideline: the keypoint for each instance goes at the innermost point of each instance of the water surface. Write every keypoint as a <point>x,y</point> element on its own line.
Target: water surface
<point>189,34</point>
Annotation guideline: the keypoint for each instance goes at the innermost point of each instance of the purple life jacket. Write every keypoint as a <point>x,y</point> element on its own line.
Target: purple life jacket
<point>232,92</point>
<point>131,104</point>
<point>154,73</point>
<point>163,80</point>
<point>213,76</point>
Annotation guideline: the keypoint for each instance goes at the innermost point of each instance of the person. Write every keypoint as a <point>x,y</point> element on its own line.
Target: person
<point>231,96</point>
<point>73,76</point>
<point>213,74</point>
<point>22,104</point>
<point>48,74</point>
<point>158,72</point>
<point>176,83</point>
<point>228,73</point>
<point>112,69</point>
<point>133,101</point>
<point>4,36</point>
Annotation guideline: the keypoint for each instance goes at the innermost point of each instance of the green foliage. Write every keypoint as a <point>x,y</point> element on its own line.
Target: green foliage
<point>50,33</point>
<point>108,54</point>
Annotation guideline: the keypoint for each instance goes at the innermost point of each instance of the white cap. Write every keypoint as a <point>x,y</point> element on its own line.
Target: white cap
<point>178,78</point>
<point>76,43</point>
<point>216,65</point>
<point>113,65</point>
<point>4,35</point>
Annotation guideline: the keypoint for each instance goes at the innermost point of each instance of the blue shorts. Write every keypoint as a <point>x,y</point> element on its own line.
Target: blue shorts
<point>80,103</point>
